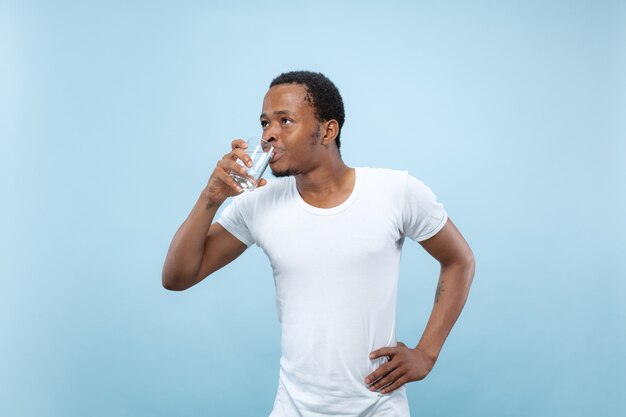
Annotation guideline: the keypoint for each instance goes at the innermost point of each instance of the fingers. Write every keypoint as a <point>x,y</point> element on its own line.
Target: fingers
<point>379,373</point>
<point>383,369</point>
<point>239,147</point>
<point>391,375</point>
<point>406,365</point>
<point>229,164</point>
<point>221,184</point>
<point>239,154</point>
<point>386,351</point>
<point>386,380</point>
<point>238,143</point>
<point>221,175</point>
<point>401,380</point>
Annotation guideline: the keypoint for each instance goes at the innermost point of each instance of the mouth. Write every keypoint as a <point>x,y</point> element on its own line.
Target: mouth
<point>277,155</point>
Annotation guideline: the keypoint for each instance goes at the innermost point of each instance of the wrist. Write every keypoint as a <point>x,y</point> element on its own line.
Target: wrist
<point>209,201</point>
<point>212,204</point>
<point>429,353</point>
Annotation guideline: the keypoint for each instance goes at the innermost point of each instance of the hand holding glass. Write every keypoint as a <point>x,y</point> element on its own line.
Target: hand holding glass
<point>260,154</point>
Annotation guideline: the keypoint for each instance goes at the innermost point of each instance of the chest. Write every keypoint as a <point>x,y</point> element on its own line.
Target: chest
<point>294,238</point>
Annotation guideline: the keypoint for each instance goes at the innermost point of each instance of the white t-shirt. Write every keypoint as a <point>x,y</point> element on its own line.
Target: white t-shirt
<point>336,274</point>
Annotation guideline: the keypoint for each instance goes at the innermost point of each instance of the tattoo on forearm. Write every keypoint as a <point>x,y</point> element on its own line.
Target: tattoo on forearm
<point>439,291</point>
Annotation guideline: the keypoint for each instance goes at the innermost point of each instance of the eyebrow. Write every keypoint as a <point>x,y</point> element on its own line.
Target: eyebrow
<point>278,113</point>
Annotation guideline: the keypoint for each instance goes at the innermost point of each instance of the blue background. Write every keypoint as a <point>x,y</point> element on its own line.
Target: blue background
<point>112,117</point>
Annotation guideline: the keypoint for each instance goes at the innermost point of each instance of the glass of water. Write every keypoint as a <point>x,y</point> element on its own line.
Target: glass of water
<point>261,153</point>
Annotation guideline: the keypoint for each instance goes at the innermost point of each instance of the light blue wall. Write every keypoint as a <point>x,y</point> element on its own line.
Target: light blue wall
<point>113,114</point>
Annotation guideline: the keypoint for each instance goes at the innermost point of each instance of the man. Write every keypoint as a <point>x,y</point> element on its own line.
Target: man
<point>333,235</point>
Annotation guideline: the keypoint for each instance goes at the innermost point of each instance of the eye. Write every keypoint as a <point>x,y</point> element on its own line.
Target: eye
<point>286,121</point>
<point>264,124</point>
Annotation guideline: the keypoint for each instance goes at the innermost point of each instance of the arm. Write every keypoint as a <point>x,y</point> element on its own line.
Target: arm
<point>457,271</point>
<point>201,247</point>
<point>198,249</point>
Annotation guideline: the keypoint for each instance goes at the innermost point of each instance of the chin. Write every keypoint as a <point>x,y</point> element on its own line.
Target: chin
<point>289,172</point>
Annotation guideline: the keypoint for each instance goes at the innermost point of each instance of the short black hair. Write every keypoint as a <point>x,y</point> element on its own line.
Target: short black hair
<point>321,93</point>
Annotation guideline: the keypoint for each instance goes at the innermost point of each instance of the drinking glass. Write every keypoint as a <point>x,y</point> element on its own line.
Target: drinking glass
<point>260,152</point>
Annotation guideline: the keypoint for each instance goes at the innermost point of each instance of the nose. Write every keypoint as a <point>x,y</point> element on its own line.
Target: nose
<point>268,138</point>
<point>270,133</point>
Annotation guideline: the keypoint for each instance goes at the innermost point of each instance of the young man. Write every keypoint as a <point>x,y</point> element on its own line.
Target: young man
<point>333,235</point>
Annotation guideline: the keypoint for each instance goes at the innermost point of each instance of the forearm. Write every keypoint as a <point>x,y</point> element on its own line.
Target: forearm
<point>184,256</point>
<point>450,297</point>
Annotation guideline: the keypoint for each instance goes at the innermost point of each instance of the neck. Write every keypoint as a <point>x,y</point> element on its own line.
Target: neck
<point>326,184</point>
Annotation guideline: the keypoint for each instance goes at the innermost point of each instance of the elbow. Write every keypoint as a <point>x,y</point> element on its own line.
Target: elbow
<point>179,279</point>
<point>172,282</point>
<point>470,265</point>
<point>470,260</point>
<point>461,259</point>
<point>463,265</point>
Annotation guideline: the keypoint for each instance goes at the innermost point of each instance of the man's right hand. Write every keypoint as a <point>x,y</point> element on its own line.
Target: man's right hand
<point>201,247</point>
<point>221,185</point>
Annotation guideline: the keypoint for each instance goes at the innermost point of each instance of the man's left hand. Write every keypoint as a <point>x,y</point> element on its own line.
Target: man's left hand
<point>404,365</point>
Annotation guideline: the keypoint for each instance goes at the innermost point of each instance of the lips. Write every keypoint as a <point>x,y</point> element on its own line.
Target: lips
<point>276,157</point>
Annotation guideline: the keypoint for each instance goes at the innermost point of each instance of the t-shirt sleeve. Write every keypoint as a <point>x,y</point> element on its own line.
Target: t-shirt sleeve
<point>422,215</point>
<point>234,221</point>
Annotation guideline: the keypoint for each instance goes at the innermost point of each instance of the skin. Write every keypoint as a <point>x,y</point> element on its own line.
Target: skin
<point>305,147</point>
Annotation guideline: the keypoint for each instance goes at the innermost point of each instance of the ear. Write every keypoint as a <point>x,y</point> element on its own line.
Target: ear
<point>330,131</point>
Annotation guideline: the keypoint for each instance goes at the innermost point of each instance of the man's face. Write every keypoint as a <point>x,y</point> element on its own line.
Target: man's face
<point>290,125</point>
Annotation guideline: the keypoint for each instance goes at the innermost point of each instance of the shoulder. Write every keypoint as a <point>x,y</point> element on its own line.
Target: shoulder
<point>383,174</point>
<point>391,180</point>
